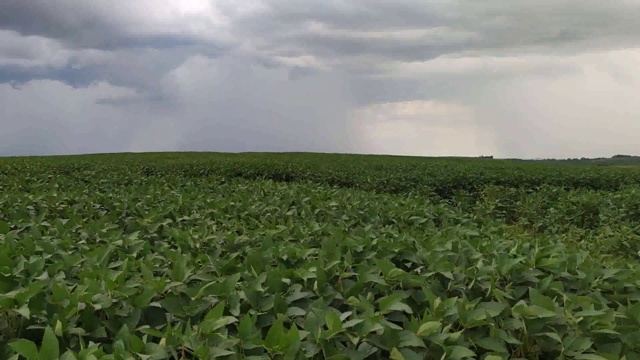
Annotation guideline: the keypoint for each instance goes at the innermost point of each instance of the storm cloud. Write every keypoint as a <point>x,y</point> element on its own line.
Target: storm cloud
<point>513,79</point>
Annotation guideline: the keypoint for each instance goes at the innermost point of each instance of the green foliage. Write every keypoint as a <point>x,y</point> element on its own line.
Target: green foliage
<point>183,256</point>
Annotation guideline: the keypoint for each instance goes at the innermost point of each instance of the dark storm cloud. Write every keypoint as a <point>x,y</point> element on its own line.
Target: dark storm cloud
<point>352,35</point>
<point>99,24</point>
<point>462,26</point>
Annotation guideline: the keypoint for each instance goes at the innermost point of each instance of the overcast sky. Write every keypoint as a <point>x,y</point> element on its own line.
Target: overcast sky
<point>526,78</point>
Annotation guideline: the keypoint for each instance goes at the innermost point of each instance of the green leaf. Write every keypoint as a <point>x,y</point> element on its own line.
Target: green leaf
<point>69,355</point>
<point>588,357</point>
<point>634,312</point>
<point>409,339</point>
<point>492,344</point>
<point>4,227</point>
<point>532,312</point>
<point>24,311</point>
<point>276,340</point>
<point>58,329</point>
<point>396,354</point>
<point>50,349</point>
<point>610,350</point>
<point>172,304</point>
<point>180,270</point>
<point>211,325</point>
<point>216,312</point>
<point>393,303</point>
<point>429,328</point>
<point>25,348</point>
<point>577,345</point>
<point>492,308</point>
<point>143,299</point>
<point>459,352</point>
<point>218,352</point>
<point>333,322</point>
<point>409,354</point>
<point>553,336</point>
<point>294,343</point>
<point>296,311</point>
<point>352,323</point>
<point>542,301</point>
<point>247,329</point>
<point>155,351</point>
<point>588,313</point>
<point>493,357</point>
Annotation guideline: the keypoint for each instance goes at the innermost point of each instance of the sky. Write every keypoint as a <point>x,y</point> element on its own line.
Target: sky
<point>526,78</point>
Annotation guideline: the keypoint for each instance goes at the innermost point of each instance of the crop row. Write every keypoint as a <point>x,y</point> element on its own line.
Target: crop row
<point>436,178</point>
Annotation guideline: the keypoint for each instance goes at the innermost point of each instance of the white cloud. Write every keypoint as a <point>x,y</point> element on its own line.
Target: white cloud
<point>409,138</point>
<point>590,112</point>
<point>464,65</point>
<point>423,128</point>
<point>416,110</point>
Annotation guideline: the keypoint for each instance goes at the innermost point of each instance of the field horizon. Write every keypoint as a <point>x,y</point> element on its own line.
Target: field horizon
<point>612,160</point>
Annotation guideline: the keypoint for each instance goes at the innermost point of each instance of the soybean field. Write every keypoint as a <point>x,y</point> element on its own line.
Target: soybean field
<point>317,256</point>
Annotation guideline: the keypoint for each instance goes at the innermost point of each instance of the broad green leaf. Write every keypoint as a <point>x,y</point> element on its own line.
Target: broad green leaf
<point>25,348</point>
<point>553,336</point>
<point>50,348</point>
<point>634,312</point>
<point>492,344</point>
<point>24,311</point>
<point>333,322</point>
<point>211,325</point>
<point>409,339</point>
<point>396,354</point>
<point>459,352</point>
<point>393,303</point>
<point>429,328</point>
<point>294,343</point>
<point>352,323</point>
<point>277,339</point>
<point>155,351</point>
<point>537,299</point>
<point>69,355</point>
<point>492,308</point>
<point>577,345</point>
<point>217,352</point>
<point>216,312</point>
<point>493,357</point>
<point>409,354</point>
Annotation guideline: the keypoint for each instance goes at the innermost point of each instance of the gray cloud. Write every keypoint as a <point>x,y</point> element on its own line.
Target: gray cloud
<point>206,109</point>
<point>109,25</point>
<point>384,29</point>
<point>284,75</point>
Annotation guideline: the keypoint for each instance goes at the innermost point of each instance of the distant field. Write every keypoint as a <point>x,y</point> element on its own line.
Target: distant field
<point>317,256</point>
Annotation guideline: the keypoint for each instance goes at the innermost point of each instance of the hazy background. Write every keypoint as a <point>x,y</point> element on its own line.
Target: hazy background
<point>532,78</point>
